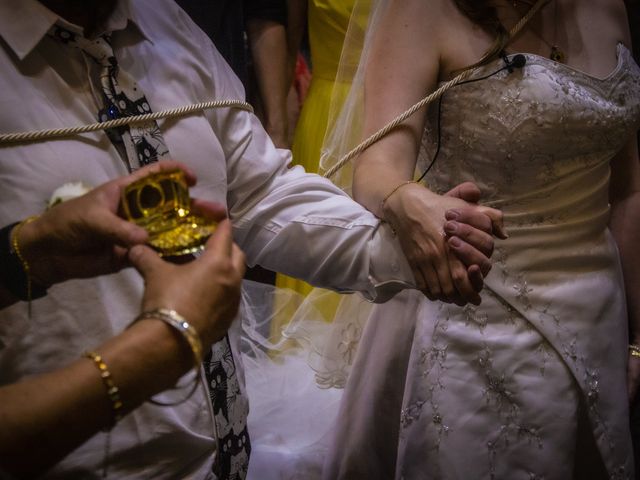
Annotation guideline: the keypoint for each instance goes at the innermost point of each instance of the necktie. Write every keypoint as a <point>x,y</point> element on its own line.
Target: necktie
<point>143,144</point>
<point>121,97</point>
<point>230,410</point>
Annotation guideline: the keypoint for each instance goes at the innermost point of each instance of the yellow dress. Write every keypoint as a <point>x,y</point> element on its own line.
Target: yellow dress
<point>327,25</point>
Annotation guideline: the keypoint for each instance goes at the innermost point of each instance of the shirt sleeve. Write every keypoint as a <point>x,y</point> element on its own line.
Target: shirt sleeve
<point>299,223</point>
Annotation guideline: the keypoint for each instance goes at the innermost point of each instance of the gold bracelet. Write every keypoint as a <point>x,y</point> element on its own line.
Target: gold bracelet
<point>113,392</point>
<point>15,244</point>
<point>634,350</point>
<point>189,333</point>
<point>398,187</point>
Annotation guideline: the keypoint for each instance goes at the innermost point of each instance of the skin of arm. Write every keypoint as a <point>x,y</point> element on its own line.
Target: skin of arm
<point>45,417</point>
<point>50,415</point>
<point>269,49</point>
<point>624,223</point>
<point>404,65</point>
<point>296,23</point>
<point>625,226</point>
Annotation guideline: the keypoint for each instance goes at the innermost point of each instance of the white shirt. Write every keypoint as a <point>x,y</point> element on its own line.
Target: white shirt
<point>284,219</point>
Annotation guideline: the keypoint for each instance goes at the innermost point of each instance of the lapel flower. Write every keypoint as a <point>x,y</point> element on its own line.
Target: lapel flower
<point>67,192</point>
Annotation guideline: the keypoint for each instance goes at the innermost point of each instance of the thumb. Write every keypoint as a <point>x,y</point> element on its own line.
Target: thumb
<point>497,221</point>
<point>467,191</point>
<point>118,230</point>
<point>145,260</point>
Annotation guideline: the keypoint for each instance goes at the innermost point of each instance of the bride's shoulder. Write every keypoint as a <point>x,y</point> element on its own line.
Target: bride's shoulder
<point>434,20</point>
<point>421,10</point>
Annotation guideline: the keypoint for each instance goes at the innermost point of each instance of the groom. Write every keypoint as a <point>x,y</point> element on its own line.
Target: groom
<point>69,62</point>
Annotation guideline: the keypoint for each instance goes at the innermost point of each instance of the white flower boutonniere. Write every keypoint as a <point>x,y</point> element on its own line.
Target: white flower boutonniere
<point>67,192</point>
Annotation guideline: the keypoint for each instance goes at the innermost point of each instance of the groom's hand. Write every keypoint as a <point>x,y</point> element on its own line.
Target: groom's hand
<point>470,233</point>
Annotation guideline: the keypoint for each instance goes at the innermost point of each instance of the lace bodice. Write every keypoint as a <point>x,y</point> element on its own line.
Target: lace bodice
<point>535,134</point>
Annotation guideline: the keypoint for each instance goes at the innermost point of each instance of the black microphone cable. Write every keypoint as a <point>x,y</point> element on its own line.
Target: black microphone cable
<point>518,61</point>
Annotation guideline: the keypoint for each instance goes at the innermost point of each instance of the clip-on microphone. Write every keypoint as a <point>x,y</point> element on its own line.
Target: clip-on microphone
<point>517,61</point>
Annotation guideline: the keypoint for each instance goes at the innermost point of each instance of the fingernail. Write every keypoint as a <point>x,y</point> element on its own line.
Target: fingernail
<point>452,214</point>
<point>451,227</point>
<point>455,242</point>
<point>501,233</point>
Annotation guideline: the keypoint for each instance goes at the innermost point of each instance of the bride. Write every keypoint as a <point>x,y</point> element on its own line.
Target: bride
<point>532,383</point>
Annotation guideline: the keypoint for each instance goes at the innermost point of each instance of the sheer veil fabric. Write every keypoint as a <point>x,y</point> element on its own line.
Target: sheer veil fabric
<point>509,389</point>
<point>344,129</point>
<point>503,390</point>
<point>295,381</point>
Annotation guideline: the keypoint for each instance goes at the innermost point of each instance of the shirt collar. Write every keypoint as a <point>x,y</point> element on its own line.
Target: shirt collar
<point>23,23</point>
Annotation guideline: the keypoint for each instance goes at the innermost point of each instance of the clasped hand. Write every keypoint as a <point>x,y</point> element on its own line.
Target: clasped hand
<point>447,239</point>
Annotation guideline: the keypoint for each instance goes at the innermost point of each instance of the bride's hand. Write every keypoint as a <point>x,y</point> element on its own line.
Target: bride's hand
<point>447,240</point>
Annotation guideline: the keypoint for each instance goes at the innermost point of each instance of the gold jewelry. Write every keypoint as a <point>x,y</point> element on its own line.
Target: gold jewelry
<point>178,322</point>
<point>395,189</point>
<point>556,53</point>
<point>634,350</point>
<point>113,392</point>
<point>189,333</point>
<point>15,244</point>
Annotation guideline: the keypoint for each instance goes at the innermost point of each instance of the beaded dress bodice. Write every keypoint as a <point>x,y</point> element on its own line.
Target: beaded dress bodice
<point>527,137</point>
<point>538,142</point>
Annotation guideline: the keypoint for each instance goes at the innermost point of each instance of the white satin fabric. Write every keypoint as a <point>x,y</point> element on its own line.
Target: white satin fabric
<point>499,391</point>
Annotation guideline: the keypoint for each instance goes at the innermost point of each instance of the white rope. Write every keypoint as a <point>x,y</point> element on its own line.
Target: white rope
<point>24,137</point>
<point>426,100</point>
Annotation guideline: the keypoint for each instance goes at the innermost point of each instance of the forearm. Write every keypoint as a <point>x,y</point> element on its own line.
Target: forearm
<point>307,228</point>
<point>268,42</point>
<point>298,223</point>
<point>625,226</point>
<point>46,417</point>
<point>380,170</point>
<point>402,67</point>
<point>15,282</point>
<point>296,23</point>
<point>624,197</point>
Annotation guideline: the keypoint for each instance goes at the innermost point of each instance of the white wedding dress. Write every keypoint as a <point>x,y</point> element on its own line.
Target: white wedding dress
<point>531,384</point>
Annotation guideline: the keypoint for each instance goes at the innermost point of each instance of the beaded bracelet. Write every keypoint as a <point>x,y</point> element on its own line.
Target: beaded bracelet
<point>15,272</point>
<point>113,391</point>
<point>634,350</point>
<point>15,244</point>
<point>189,333</point>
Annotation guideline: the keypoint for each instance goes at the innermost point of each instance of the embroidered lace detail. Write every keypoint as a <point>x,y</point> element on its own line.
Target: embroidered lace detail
<point>538,143</point>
